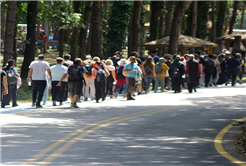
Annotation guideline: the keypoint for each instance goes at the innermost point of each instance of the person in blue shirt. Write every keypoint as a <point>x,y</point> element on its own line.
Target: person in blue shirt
<point>130,71</point>
<point>154,56</point>
<point>233,65</point>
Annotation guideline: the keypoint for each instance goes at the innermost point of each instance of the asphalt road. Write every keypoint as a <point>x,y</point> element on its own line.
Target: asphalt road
<point>161,129</point>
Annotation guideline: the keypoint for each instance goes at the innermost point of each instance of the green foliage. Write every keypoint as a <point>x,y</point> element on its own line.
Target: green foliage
<point>186,29</point>
<point>221,18</point>
<point>202,19</point>
<point>117,26</point>
<point>142,21</point>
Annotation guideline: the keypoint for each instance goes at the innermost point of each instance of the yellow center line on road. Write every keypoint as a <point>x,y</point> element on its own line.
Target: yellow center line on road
<point>57,143</point>
<point>58,152</point>
<point>218,143</point>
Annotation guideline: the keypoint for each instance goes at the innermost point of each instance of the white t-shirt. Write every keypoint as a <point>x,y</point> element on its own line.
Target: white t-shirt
<point>57,72</point>
<point>110,67</point>
<point>70,63</point>
<point>39,69</point>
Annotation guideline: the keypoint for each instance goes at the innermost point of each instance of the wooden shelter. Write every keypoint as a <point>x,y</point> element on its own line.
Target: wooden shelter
<point>231,37</point>
<point>184,43</point>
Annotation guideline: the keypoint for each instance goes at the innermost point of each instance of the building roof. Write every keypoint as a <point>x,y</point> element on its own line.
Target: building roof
<point>231,36</point>
<point>184,41</point>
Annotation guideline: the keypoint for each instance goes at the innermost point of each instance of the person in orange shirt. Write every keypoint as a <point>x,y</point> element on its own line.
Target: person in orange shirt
<point>160,70</point>
<point>89,89</point>
<point>43,39</point>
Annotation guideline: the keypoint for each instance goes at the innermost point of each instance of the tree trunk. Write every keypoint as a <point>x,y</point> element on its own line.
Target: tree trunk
<point>194,21</point>
<point>234,15</point>
<point>96,42</point>
<point>243,13</point>
<point>155,14</point>
<point>135,28</point>
<point>222,6</point>
<point>61,42</point>
<point>83,31</point>
<point>3,22</point>
<point>105,9</point>
<point>213,21</point>
<point>15,42</point>
<point>176,26</point>
<point>227,17</point>
<point>9,34</point>
<point>161,27</point>
<point>88,46</point>
<point>29,55</point>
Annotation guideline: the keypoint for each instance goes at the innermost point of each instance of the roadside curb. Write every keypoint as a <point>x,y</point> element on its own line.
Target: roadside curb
<point>225,146</point>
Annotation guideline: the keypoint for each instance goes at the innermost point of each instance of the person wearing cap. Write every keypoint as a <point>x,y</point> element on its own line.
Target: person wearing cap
<point>176,71</point>
<point>12,83</point>
<point>130,71</point>
<point>193,72</point>
<point>89,89</point>
<point>37,75</point>
<point>67,59</point>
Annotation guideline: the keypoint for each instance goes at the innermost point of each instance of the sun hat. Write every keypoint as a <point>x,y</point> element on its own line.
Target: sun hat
<point>122,62</point>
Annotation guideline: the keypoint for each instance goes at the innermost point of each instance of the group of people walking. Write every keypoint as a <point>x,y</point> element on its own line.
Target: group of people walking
<point>94,78</point>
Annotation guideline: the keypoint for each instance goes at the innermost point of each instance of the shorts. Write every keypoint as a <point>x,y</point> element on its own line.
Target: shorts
<point>75,87</point>
<point>139,80</point>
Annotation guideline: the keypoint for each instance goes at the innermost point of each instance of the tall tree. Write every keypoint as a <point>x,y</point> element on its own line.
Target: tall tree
<point>135,27</point>
<point>96,41</point>
<point>169,17</point>
<point>243,13</point>
<point>161,26</point>
<point>83,30</point>
<point>227,17</point>
<point>10,33</point>
<point>155,7</point>
<point>32,11</point>
<point>176,25</point>
<point>222,6</point>
<point>117,26</point>
<point>233,17</point>
<point>213,13</point>
<point>104,22</point>
<point>202,16</point>
<point>194,21</point>
<point>3,19</point>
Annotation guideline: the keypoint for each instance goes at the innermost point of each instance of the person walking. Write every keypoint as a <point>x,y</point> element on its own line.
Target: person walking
<point>12,76</point>
<point>216,71</point>
<point>37,76</point>
<point>111,78</point>
<point>43,40</point>
<point>193,72</point>
<point>130,71</point>
<point>121,79</point>
<point>57,72</point>
<point>233,66</point>
<point>89,89</point>
<point>76,74</point>
<point>176,71</point>
<point>160,70</point>
<point>222,75</point>
<point>149,68</point>
<point>100,74</point>
<point>208,68</point>
<point>240,72</point>
<point>167,77</point>
<point>4,86</point>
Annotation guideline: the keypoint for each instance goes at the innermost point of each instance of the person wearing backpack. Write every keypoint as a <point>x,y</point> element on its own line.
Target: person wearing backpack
<point>99,74</point>
<point>111,79</point>
<point>76,74</point>
<point>233,67</point>
<point>160,70</point>
<point>176,71</point>
<point>12,75</point>
<point>121,79</point>
<point>4,86</point>
<point>89,89</point>
<point>149,68</point>
<point>208,68</point>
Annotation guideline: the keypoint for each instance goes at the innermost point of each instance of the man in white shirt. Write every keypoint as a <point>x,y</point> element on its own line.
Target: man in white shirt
<point>37,75</point>
<point>67,60</point>
<point>57,72</point>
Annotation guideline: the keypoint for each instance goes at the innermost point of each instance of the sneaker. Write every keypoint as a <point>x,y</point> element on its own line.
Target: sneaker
<point>86,99</point>
<point>131,98</point>
<point>139,93</point>
<point>15,105</point>
<point>33,104</point>
<point>155,91</point>
<point>2,106</point>
<point>75,105</point>
<point>54,104</point>
<point>61,103</point>
<point>39,106</point>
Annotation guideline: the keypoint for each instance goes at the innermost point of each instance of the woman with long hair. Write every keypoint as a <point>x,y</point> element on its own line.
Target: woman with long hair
<point>149,67</point>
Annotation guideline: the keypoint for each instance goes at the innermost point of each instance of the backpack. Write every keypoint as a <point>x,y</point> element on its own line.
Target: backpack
<point>75,73</point>
<point>209,64</point>
<point>101,75</point>
<point>175,72</point>
<point>119,73</point>
<point>11,79</point>
<point>158,68</point>
<point>88,67</point>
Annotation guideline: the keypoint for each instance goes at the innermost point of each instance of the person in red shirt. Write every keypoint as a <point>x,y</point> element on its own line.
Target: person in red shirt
<point>43,39</point>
